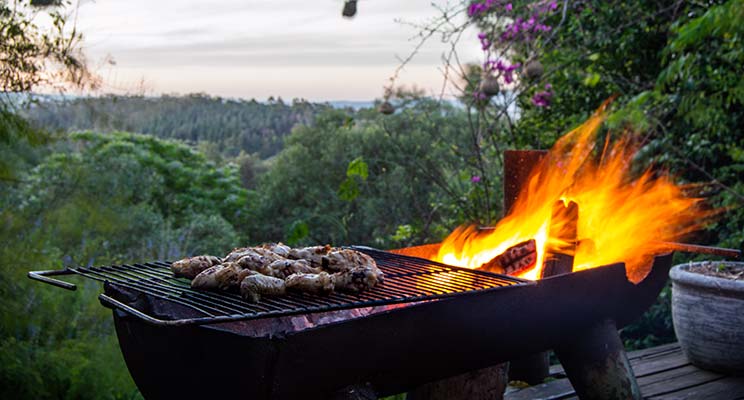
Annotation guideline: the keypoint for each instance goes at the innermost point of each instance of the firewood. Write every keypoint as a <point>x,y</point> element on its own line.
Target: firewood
<point>559,262</point>
<point>515,260</point>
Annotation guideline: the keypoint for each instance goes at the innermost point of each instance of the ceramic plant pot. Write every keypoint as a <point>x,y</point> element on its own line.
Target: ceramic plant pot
<point>708,314</point>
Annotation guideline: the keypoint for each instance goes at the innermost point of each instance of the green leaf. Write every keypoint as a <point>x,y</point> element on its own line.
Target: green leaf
<point>592,79</point>
<point>357,167</point>
<point>348,190</point>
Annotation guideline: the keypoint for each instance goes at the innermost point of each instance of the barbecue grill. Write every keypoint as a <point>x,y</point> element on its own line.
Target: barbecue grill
<point>427,322</point>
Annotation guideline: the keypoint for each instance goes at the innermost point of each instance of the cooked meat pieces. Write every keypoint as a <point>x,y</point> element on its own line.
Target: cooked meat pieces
<point>259,260</point>
<point>284,268</point>
<point>322,282</point>
<point>312,254</point>
<point>340,260</point>
<point>227,277</point>
<point>246,273</point>
<point>264,271</point>
<point>192,266</point>
<point>255,252</point>
<point>255,286</point>
<point>280,249</point>
<point>358,279</point>
<point>206,279</point>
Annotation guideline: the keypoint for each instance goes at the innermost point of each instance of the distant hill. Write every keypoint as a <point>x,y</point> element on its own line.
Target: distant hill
<point>231,125</point>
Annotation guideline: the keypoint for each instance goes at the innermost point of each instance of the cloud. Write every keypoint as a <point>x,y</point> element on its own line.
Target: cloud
<point>219,36</point>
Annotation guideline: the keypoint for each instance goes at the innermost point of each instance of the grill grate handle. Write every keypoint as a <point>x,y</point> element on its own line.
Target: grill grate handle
<point>43,276</point>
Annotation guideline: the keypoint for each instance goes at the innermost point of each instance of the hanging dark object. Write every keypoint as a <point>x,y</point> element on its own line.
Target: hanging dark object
<point>534,70</point>
<point>386,108</point>
<point>489,86</point>
<point>46,3</point>
<point>350,9</point>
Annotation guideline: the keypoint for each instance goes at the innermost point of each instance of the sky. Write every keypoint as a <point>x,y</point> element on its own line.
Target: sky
<point>261,48</point>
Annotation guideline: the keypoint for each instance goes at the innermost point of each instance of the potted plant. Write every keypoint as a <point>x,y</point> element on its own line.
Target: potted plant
<point>708,313</point>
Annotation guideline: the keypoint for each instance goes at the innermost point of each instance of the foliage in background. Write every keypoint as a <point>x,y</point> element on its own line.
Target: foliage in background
<point>99,199</point>
<point>223,126</point>
<point>355,178</point>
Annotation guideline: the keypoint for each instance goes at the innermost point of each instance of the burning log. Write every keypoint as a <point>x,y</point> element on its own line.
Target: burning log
<point>515,260</point>
<point>566,218</point>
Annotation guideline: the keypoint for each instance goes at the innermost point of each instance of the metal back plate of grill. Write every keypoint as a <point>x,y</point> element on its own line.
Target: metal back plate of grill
<point>407,279</point>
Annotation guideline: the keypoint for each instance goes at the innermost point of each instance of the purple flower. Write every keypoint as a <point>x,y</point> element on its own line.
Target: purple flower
<point>478,95</point>
<point>508,7</point>
<point>475,179</point>
<point>542,99</point>
<point>485,43</point>
<point>553,5</point>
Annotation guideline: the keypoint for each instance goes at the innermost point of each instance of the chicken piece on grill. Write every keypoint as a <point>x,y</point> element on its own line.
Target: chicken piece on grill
<point>322,282</point>
<point>312,254</point>
<point>258,260</point>
<point>358,279</point>
<point>255,286</point>
<point>207,279</point>
<point>228,277</point>
<point>255,252</point>
<point>280,249</point>
<point>340,260</point>
<point>246,273</point>
<point>283,268</point>
<point>192,266</point>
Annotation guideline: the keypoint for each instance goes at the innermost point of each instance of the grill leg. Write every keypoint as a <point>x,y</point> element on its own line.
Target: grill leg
<point>597,366</point>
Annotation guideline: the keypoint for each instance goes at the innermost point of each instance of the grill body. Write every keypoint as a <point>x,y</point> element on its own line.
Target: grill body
<point>394,350</point>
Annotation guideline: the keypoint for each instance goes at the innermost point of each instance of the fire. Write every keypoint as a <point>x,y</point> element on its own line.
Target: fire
<point>622,217</point>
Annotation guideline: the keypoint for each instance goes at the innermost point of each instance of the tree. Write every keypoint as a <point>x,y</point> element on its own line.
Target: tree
<point>33,57</point>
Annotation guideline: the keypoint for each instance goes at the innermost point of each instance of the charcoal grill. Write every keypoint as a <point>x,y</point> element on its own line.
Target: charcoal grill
<point>427,322</point>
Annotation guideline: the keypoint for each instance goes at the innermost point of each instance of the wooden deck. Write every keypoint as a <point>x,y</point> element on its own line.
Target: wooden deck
<point>662,372</point>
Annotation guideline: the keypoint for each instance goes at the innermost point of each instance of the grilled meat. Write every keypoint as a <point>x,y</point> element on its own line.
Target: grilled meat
<point>280,249</point>
<point>255,286</point>
<point>312,254</point>
<point>192,266</point>
<point>340,260</point>
<point>358,279</point>
<point>246,273</point>
<point>283,268</point>
<point>262,271</point>
<point>255,252</point>
<point>258,259</point>
<point>322,282</point>
<point>227,277</point>
<point>207,279</point>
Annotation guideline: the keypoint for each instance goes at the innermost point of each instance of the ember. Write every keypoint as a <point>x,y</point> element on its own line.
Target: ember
<point>620,218</point>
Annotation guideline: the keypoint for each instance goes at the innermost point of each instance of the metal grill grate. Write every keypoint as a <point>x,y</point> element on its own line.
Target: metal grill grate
<point>407,279</point>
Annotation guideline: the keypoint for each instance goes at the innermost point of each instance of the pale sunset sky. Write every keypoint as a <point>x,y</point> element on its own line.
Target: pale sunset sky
<point>261,48</point>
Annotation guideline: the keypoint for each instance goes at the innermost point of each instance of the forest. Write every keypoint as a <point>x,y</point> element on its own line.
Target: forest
<point>118,179</point>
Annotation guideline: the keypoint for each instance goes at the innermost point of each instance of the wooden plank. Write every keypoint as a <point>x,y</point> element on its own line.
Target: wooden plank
<point>662,372</point>
<point>723,389</point>
<point>636,357</point>
<point>653,350</point>
<point>557,389</point>
<point>663,376</point>
<point>675,380</point>
<point>649,367</point>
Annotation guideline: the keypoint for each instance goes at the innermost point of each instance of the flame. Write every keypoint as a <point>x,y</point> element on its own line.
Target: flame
<point>620,218</point>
